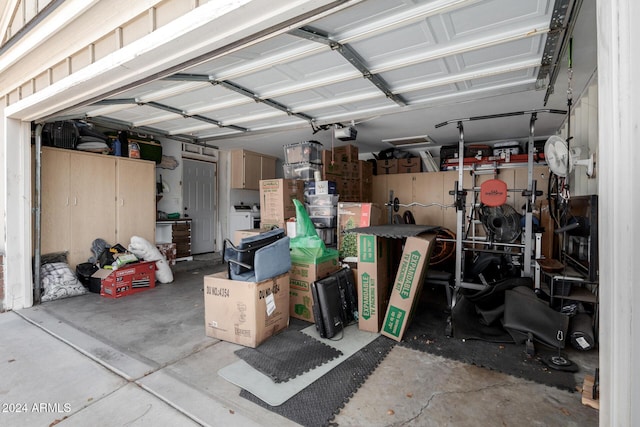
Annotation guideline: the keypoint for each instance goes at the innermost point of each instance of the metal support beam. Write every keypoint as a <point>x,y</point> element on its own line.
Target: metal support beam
<point>119,124</point>
<point>242,91</point>
<point>270,102</point>
<point>169,109</point>
<point>350,55</point>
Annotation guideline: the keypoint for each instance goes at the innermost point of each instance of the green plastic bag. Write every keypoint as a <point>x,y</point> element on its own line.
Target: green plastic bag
<point>307,245</point>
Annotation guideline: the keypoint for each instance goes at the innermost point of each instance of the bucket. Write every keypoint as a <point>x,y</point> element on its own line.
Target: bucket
<point>84,271</point>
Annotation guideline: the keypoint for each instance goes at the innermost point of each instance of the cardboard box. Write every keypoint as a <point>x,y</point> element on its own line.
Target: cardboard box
<point>241,234</point>
<point>387,167</point>
<point>245,313</point>
<point>270,224</point>
<point>331,167</point>
<point>409,165</point>
<point>352,215</point>
<point>322,188</point>
<point>303,273</point>
<point>128,280</point>
<point>346,153</point>
<point>407,285</point>
<point>372,279</point>
<point>276,198</point>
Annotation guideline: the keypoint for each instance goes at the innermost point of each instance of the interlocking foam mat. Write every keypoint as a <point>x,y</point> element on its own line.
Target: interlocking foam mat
<point>317,404</point>
<point>246,377</point>
<point>287,355</point>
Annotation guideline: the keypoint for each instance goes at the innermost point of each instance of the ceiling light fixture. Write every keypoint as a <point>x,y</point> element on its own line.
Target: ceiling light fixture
<point>410,141</point>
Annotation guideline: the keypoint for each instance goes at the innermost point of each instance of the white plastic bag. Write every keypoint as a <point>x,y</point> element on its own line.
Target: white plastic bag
<point>142,248</point>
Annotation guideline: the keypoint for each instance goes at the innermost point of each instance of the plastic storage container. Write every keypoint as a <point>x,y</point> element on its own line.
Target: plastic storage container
<point>328,235</point>
<point>322,210</point>
<point>501,149</point>
<point>323,221</point>
<point>303,171</point>
<point>323,200</point>
<point>307,151</point>
<point>310,188</point>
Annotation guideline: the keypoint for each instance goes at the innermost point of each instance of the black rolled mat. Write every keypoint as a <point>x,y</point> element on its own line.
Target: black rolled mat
<point>479,345</point>
<point>317,404</point>
<point>287,355</point>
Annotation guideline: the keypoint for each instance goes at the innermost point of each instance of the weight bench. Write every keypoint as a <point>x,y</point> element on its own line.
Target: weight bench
<point>441,278</point>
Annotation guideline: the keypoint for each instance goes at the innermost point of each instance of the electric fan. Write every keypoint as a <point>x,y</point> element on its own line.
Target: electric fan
<point>502,222</point>
<point>556,152</point>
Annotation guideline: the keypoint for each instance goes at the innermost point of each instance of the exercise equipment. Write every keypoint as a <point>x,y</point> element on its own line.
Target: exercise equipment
<point>466,240</point>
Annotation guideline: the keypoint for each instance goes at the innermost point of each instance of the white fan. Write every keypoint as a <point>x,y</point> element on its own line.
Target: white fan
<point>556,153</point>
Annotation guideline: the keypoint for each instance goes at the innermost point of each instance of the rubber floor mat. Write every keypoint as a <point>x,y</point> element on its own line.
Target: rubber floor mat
<point>427,333</point>
<point>318,403</point>
<point>287,355</point>
<point>246,377</point>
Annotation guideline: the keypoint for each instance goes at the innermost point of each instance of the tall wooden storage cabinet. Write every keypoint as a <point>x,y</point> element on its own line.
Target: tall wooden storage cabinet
<point>248,168</point>
<point>87,196</point>
<point>135,200</point>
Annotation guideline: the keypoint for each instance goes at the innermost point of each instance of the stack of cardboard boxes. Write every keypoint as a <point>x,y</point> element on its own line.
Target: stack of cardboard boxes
<point>393,166</point>
<point>353,177</point>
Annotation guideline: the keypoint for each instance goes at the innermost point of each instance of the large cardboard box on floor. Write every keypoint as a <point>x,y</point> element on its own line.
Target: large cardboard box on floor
<point>305,271</point>
<point>352,215</point>
<point>407,284</point>
<point>245,313</point>
<point>372,279</point>
<point>276,199</point>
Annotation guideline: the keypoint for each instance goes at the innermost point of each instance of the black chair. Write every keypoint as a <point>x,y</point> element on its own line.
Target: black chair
<point>257,258</point>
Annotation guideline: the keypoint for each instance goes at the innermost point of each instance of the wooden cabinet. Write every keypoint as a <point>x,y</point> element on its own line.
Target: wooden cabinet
<point>248,168</point>
<point>135,200</point>
<point>88,196</point>
<point>178,232</point>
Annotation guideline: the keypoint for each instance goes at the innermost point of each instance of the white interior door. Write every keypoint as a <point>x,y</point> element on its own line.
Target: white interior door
<point>199,183</point>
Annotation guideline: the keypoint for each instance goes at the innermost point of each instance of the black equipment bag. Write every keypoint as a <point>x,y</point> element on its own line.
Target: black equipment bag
<point>63,134</point>
<point>335,302</point>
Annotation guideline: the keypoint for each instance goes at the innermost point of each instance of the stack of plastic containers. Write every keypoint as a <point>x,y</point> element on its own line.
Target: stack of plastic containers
<point>302,160</point>
<point>323,211</point>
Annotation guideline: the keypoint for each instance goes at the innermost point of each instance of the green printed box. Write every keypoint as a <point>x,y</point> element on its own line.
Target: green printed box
<point>394,320</point>
<point>407,284</point>
<point>305,271</point>
<point>372,281</point>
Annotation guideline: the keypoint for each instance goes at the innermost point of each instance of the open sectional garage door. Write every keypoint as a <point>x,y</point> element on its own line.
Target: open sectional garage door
<point>364,61</point>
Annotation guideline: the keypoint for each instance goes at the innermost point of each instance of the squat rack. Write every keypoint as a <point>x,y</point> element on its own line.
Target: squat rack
<point>460,194</point>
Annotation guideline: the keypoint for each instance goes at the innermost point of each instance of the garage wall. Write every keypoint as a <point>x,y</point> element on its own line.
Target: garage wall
<point>584,134</point>
<point>3,213</point>
<point>74,35</point>
<point>433,188</point>
<point>18,14</point>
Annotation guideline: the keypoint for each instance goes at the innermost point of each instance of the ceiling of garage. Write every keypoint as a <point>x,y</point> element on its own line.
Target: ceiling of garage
<point>394,69</point>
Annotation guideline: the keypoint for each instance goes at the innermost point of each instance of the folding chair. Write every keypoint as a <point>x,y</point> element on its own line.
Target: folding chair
<point>257,258</point>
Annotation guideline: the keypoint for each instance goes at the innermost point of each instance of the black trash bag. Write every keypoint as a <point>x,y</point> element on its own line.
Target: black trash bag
<point>492,267</point>
<point>489,302</point>
<point>526,314</point>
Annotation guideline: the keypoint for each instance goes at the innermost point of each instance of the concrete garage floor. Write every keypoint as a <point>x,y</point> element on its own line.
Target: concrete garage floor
<point>145,360</point>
